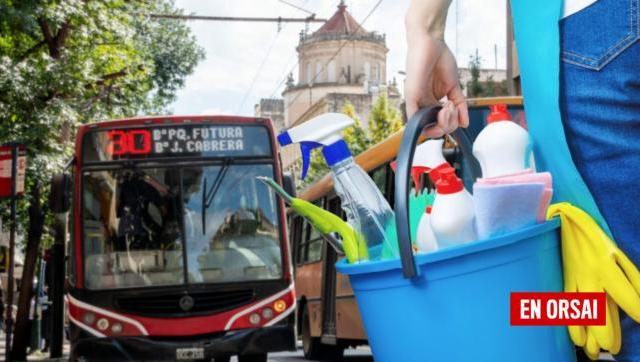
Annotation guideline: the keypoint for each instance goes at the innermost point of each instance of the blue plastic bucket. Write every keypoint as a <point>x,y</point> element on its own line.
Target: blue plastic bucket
<point>453,304</point>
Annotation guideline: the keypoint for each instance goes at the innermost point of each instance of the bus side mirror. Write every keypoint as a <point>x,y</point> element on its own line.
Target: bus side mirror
<point>60,196</point>
<point>289,184</point>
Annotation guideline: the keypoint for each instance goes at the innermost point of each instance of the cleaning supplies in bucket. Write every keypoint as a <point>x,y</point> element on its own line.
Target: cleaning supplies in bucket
<point>502,147</point>
<point>365,206</point>
<point>429,296</point>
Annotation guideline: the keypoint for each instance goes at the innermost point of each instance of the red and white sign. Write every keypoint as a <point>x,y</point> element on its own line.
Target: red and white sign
<point>558,309</point>
<point>5,170</point>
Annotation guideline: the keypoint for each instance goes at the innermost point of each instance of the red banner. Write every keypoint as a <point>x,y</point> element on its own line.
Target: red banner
<point>5,170</point>
<point>558,309</point>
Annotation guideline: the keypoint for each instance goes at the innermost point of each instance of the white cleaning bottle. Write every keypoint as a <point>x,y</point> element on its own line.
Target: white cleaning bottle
<point>426,239</point>
<point>428,157</point>
<point>453,214</point>
<point>429,154</point>
<point>502,147</point>
<point>367,210</point>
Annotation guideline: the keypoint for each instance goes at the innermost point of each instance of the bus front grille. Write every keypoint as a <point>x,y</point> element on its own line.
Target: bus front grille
<point>181,304</point>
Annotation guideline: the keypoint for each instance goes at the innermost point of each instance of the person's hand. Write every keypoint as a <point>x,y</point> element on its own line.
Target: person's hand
<point>432,74</point>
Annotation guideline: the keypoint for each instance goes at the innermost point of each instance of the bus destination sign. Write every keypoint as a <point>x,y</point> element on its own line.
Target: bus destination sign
<point>177,141</point>
<point>198,139</point>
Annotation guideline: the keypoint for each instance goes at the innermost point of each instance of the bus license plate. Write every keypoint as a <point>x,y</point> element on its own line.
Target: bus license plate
<point>190,353</point>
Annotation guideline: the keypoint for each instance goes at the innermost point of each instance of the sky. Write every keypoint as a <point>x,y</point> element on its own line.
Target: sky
<point>246,61</point>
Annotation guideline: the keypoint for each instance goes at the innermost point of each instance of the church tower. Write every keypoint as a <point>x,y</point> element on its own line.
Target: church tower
<point>339,62</point>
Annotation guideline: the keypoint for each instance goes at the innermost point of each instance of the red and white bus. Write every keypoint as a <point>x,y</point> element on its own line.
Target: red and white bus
<point>176,250</point>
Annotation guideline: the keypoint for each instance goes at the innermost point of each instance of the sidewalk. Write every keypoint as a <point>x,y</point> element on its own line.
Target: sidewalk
<point>36,356</point>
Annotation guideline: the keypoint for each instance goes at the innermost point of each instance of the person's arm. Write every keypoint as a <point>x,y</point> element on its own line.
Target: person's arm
<point>432,72</point>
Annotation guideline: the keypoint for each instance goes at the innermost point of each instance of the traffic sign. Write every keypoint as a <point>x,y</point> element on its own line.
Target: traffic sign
<point>6,160</point>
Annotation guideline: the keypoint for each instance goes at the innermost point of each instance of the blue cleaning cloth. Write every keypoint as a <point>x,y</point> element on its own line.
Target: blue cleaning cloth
<point>505,208</point>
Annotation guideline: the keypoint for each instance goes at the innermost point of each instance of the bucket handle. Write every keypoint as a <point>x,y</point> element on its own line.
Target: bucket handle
<point>425,117</point>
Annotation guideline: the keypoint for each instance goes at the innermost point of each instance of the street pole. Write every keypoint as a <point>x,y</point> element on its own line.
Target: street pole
<point>12,247</point>
<point>56,311</point>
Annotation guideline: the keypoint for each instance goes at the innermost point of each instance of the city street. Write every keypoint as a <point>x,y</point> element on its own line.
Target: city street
<point>361,354</point>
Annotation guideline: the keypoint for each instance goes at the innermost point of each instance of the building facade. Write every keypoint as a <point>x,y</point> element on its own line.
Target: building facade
<point>272,108</point>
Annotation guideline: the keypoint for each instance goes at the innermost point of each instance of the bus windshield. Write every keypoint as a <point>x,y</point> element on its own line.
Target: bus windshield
<point>144,226</point>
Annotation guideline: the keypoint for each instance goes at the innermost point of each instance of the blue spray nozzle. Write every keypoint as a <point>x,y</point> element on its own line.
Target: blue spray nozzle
<point>305,148</point>
<point>284,139</point>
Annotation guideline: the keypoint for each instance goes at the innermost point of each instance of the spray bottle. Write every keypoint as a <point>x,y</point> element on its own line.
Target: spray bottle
<point>427,158</point>
<point>366,208</point>
<point>426,239</point>
<point>453,215</point>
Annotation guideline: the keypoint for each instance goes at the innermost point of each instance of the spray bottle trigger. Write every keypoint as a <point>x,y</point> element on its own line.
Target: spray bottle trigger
<point>305,148</point>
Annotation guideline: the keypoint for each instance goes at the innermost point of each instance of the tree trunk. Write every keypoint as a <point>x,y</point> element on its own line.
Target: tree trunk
<point>22,328</point>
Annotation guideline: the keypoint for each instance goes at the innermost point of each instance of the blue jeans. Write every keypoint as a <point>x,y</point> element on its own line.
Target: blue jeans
<point>600,104</point>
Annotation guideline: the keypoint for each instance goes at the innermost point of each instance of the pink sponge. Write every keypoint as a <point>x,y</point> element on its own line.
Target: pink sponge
<point>527,177</point>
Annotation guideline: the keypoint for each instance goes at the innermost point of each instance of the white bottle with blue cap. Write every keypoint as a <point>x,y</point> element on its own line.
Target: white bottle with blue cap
<point>365,206</point>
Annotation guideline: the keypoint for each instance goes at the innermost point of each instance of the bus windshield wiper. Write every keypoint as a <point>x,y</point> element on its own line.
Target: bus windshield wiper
<point>209,194</point>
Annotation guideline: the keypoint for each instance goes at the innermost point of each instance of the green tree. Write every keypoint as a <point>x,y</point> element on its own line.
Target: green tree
<point>355,136</point>
<point>475,87</point>
<point>495,89</point>
<point>487,88</point>
<point>384,120</point>
<point>67,62</point>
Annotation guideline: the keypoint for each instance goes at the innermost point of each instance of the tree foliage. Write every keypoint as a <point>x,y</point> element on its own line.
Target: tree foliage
<point>67,62</point>
<point>384,120</point>
<point>474,87</point>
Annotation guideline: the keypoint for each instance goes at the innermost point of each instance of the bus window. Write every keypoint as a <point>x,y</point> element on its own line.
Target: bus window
<point>70,262</point>
<point>315,248</point>
<point>296,223</point>
<point>334,205</point>
<point>131,228</point>
<point>310,247</point>
<point>232,236</point>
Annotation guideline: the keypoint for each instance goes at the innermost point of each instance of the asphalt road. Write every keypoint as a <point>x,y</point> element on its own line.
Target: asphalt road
<point>360,354</point>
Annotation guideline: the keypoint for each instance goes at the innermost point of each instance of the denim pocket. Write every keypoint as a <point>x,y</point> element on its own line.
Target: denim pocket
<point>594,36</point>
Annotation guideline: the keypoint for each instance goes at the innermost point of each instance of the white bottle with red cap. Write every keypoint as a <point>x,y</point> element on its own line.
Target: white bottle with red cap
<point>453,215</point>
<point>502,147</point>
<point>426,239</point>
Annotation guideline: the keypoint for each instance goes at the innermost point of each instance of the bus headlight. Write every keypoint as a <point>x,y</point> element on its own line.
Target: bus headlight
<point>280,305</point>
<point>267,313</point>
<point>102,324</point>
<point>116,328</point>
<point>254,318</point>
<point>88,318</point>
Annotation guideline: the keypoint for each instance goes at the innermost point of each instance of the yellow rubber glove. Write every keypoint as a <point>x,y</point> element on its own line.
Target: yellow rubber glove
<point>591,346</point>
<point>592,263</point>
<point>577,279</point>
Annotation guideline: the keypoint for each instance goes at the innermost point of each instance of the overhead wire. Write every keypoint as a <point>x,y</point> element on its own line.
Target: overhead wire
<point>297,7</point>
<point>257,74</point>
<point>266,57</point>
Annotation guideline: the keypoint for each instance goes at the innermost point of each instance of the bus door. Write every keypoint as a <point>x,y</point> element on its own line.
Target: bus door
<point>329,333</point>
